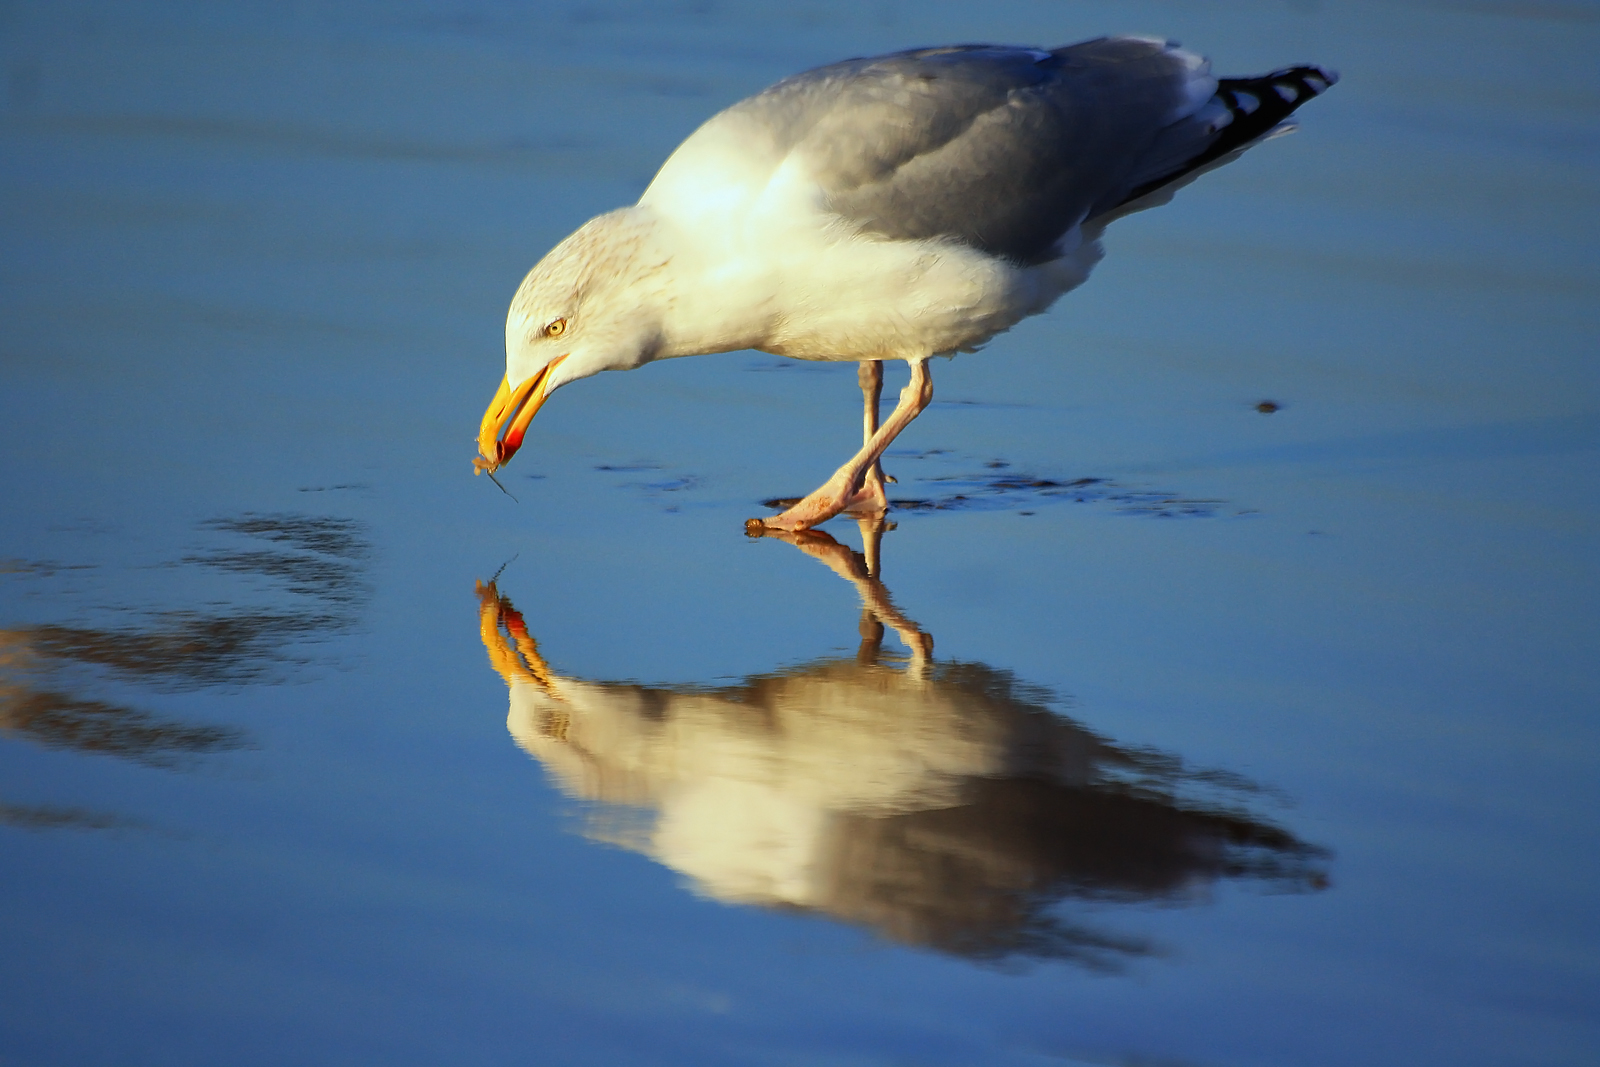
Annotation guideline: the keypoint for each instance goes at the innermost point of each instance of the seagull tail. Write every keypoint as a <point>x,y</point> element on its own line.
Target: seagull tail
<point>1243,111</point>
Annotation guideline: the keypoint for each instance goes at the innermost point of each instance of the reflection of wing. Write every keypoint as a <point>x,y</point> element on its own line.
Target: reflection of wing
<point>972,878</point>
<point>946,806</point>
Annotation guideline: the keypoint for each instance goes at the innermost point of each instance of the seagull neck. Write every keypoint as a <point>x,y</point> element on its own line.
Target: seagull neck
<point>710,299</point>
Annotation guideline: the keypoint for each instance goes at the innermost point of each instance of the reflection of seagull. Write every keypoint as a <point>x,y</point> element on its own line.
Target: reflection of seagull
<point>901,207</point>
<point>942,804</point>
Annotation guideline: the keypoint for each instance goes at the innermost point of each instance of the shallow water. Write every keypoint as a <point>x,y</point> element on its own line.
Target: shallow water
<point>1161,730</point>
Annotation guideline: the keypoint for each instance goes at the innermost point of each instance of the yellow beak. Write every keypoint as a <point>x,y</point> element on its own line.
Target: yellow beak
<point>507,418</point>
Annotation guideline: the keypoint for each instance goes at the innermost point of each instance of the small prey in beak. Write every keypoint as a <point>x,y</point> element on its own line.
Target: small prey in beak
<point>506,420</point>
<point>502,488</point>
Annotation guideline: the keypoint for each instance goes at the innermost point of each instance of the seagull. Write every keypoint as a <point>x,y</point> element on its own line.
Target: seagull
<point>902,206</point>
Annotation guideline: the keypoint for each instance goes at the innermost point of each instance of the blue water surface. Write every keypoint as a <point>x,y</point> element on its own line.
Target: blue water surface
<point>1165,731</point>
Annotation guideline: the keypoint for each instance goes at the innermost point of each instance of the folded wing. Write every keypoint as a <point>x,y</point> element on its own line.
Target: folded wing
<point>1008,148</point>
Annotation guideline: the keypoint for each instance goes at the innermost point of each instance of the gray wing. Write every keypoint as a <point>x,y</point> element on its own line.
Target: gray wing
<point>1003,148</point>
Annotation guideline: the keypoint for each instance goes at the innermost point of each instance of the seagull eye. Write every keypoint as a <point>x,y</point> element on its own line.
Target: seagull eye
<point>556,328</point>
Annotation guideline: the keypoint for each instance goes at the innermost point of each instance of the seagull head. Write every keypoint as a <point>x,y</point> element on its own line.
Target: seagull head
<point>593,304</point>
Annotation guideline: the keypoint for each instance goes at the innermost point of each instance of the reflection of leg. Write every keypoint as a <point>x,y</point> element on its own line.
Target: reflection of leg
<point>861,571</point>
<point>872,528</point>
<point>871,497</point>
<point>871,639</point>
<point>837,492</point>
<point>851,566</point>
<point>875,598</point>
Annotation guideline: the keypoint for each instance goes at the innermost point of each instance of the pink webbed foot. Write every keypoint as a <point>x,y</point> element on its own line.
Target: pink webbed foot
<point>820,506</point>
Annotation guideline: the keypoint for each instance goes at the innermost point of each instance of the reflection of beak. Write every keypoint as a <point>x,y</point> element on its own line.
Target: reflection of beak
<point>519,408</point>
<point>494,611</point>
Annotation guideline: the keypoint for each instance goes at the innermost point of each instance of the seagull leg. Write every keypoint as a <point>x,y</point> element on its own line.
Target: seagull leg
<point>836,493</point>
<point>871,496</point>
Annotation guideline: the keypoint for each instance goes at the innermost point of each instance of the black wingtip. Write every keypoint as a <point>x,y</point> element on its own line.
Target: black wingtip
<point>1258,104</point>
<point>1254,108</point>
